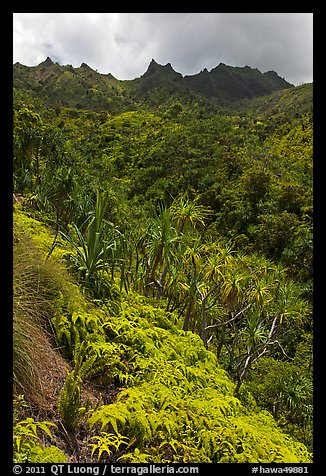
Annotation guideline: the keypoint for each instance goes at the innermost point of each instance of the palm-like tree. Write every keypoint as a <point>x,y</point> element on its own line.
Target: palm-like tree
<point>288,302</point>
<point>254,331</point>
<point>296,391</point>
<point>184,211</point>
<point>259,292</point>
<point>93,250</point>
<point>192,262</point>
<point>161,238</point>
<point>233,288</point>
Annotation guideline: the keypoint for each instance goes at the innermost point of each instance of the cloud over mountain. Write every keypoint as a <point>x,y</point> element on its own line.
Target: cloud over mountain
<point>124,43</point>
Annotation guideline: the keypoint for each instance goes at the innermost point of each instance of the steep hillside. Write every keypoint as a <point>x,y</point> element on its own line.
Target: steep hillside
<point>231,83</point>
<point>82,88</point>
<point>163,396</point>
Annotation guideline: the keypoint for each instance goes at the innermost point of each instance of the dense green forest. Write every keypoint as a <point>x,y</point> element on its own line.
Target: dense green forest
<point>162,270</point>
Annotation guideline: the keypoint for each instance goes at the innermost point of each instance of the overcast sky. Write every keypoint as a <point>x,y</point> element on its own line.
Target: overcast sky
<point>123,44</point>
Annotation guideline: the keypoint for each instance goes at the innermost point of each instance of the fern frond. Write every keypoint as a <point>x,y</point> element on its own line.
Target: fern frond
<point>107,443</point>
<point>70,399</point>
<point>110,416</point>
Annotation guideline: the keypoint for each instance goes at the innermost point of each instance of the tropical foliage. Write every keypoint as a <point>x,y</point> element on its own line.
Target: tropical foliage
<point>163,252</point>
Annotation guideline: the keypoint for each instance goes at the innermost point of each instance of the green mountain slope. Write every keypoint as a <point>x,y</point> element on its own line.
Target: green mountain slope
<point>74,87</point>
<point>231,83</point>
<point>85,88</point>
<point>163,261</point>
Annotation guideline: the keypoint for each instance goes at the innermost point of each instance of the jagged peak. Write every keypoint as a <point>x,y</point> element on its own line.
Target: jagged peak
<point>155,67</point>
<point>272,73</point>
<point>47,62</point>
<point>85,66</point>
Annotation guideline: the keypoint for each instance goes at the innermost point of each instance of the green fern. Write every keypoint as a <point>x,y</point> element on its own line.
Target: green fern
<point>72,327</point>
<point>136,456</point>
<point>50,454</point>
<point>70,400</point>
<point>110,416</point>
<point>26,446</point>
<point>107,443</point>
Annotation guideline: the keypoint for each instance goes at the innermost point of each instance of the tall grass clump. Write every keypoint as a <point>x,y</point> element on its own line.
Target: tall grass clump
<point>30,307</point>
<point>37,284</point>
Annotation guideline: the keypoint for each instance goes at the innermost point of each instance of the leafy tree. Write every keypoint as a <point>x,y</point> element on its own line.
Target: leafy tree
<point>28,136</point>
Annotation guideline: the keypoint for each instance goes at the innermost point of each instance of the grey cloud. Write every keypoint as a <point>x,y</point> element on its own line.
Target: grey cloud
<point>124,43</point>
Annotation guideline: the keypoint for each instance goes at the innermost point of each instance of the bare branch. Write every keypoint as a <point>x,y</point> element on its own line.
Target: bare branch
<point>211,337</point>
<point>219,324</point>
<point>283,351</point>
<point>261,353</point>
<point>200,293</point>
<point>271,332</point>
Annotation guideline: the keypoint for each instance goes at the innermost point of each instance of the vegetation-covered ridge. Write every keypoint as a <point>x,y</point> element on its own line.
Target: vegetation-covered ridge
<point>172,400</point>
<point>162,271</point>
<point>87,89</point>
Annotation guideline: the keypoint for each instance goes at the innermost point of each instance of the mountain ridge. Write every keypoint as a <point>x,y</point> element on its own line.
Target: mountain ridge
<point>222,83</point>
